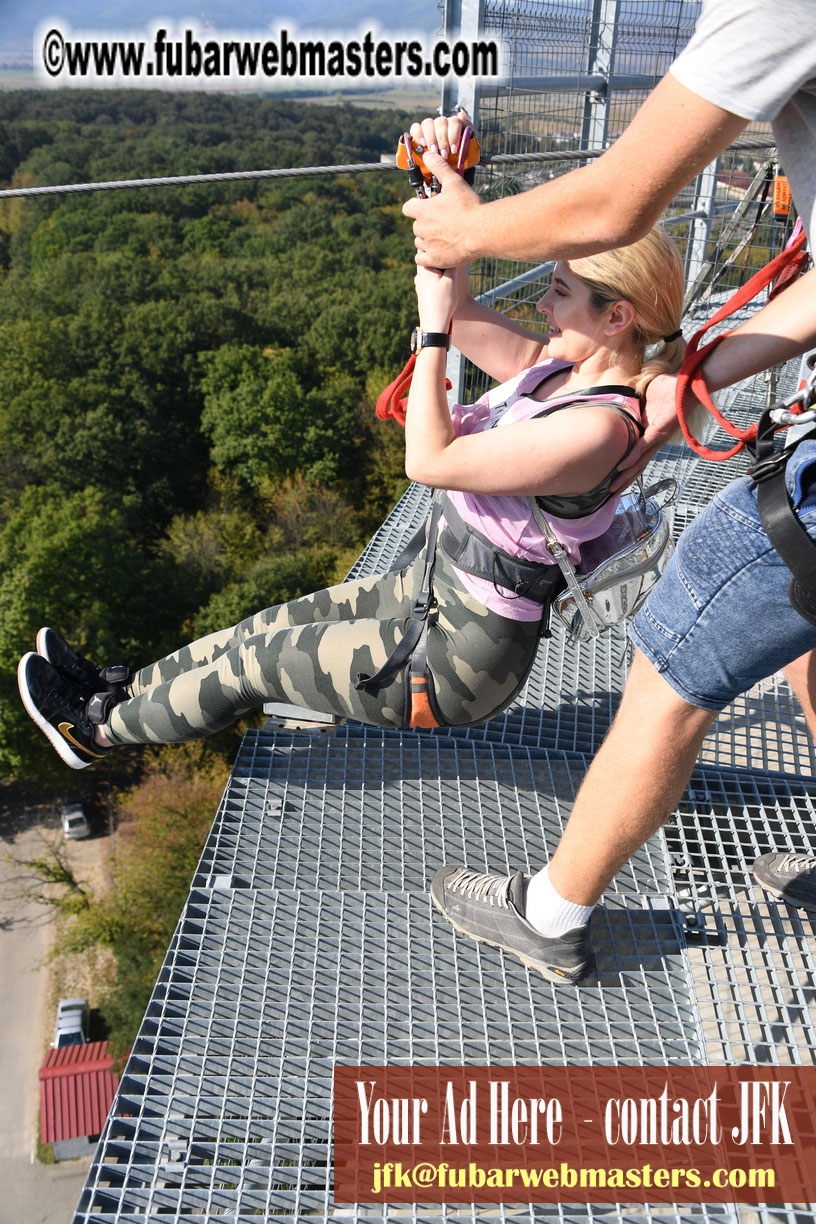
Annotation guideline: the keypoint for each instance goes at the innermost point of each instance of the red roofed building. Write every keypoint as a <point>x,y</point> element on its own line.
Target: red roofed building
<point>77,1085</point>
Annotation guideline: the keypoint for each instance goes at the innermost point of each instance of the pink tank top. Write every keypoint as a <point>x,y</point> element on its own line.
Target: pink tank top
<point>508,521</point>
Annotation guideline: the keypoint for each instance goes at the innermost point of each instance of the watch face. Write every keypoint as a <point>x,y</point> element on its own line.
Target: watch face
<point>415,340</point>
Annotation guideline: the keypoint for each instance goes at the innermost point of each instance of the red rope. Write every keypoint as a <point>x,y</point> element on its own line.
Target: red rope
<point>787,265</point>
<point>393,401</point>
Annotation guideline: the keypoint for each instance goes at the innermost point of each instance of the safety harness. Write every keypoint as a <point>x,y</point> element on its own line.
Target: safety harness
<point>474,553</point>
<point>412,650</point>
<point>776,511</point>
<point>786,266</point>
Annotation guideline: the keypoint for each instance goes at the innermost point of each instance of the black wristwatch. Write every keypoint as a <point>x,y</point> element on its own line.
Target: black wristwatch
<point>422,339</point>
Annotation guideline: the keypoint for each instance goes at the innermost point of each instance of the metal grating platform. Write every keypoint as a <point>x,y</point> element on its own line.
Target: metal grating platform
<point>297,950</point>
<point>402,523</point>
<point>375,809</point>
<point>309,938</point>
<point>751,959</point>
<point>225,1106</point>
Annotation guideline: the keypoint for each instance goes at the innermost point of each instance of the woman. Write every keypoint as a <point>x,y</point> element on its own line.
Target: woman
<point>434,642</point>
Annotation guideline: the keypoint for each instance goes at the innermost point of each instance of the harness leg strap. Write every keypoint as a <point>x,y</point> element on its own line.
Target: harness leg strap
<point>405,648</point>
<point>785,532</point>
<point>422,707</point>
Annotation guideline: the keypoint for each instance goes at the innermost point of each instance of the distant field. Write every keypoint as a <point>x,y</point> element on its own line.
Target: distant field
<point>419,98</point>
<point>17,78</point>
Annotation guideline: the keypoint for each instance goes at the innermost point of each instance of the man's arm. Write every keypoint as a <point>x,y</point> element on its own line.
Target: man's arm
<point>782,329</point>
<point>611,202</point>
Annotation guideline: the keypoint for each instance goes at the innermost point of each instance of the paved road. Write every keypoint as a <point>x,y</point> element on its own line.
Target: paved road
<point>31,1193</point>
<point>40,1194</point>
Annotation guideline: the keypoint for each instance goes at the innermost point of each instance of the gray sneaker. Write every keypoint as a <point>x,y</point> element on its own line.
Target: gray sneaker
<point>789,876</point>
<point>490,909</point>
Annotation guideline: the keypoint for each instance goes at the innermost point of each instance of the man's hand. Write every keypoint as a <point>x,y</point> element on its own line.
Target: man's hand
<point>441,222</point>
<point>661,423</point>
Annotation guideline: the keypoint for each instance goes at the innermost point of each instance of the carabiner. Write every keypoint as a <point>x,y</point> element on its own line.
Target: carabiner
<point>416,176</point>
<point>781,416</point>
<point>409,157</point>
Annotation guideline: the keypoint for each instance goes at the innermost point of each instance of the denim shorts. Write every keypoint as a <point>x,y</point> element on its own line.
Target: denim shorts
<point>719,620</point>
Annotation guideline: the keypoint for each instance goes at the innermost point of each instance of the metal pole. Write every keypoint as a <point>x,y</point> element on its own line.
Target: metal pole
<point>518,282</point>
<point>600,63</point>
<point>464,19</point>
<point>705,190</point>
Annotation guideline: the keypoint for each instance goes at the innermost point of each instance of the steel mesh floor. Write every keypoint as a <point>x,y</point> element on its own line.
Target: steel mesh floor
<point>225,1106</point>
<point>375,809</point>
<point>300,948</point>
<point>751,959</point>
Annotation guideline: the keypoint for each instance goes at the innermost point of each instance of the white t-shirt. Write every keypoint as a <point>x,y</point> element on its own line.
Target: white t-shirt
<point>757,58</point>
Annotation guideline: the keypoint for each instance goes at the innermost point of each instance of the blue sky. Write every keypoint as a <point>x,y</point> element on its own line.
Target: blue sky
<point>20,18</point>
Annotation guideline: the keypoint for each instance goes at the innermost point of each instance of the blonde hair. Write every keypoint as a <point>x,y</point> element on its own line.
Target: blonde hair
<point>649,275</point>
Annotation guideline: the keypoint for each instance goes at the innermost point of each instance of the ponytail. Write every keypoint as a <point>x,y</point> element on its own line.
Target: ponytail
<point>649,275</point>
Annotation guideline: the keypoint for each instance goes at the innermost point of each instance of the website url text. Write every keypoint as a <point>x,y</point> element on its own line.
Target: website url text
<point>186,56</point>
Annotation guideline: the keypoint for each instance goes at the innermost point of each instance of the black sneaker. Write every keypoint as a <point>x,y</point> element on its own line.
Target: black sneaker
<point>57,705</point>
<point>789,876</point>
<point>70,664</point>
<point>76,667</point>
<point>490,909</point>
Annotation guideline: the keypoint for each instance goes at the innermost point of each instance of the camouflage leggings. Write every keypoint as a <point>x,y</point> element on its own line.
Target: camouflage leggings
<point>309,652</point>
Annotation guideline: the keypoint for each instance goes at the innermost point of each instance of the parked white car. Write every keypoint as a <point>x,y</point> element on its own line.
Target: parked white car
<point>75,823</point>
<point>72,1023</point>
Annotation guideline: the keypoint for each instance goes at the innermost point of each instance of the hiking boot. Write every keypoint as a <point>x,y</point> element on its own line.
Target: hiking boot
<point>789,876</point>
<point>58,706</point>
<point>490,909</point>
<point>76,667</point>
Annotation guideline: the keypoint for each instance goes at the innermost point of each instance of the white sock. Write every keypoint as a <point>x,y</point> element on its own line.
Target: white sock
<point>547,911</point>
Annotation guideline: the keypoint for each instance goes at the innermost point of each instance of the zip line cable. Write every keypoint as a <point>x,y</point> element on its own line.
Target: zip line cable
<point>182,180</point>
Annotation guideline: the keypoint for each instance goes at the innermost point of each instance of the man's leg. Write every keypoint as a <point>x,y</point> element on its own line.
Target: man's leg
<point>801,676</point>
<point>791,875</point>
<point>632,785</point>
<point>718,622</point>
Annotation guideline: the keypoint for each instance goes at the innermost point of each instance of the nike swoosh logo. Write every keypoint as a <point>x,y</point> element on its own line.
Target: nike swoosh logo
<point>65,728</point>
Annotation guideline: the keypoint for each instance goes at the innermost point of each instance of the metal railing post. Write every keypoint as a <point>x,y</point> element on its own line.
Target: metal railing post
<point>600,61</point>
<point>464,19</point>
<point>705,190</point>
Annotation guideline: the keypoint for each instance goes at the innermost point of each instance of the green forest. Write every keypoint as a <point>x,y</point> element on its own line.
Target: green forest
<point>187,435</point>
<point>187,374</point>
